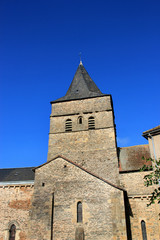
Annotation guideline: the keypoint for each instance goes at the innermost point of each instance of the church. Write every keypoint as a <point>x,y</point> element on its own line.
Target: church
<point>88,189</point>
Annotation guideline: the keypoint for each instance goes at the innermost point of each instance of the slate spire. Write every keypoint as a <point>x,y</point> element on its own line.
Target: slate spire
<point>82,86</point>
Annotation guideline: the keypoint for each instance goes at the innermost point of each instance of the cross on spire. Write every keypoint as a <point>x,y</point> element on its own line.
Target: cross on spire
<point>80,56</point>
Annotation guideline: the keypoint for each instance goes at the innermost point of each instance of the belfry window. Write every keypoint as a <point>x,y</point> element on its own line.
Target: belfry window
<point>79,212</point>
<point>12,232</point>
<point>143,227</point>
<point>68,125</point>
<point>91,123</point>
<point>80,120</point>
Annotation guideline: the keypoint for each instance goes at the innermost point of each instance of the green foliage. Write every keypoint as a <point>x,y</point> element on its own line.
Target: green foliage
<point>153,178</point>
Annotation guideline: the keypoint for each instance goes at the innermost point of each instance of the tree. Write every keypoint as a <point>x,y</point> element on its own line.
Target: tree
<point>153,178</point>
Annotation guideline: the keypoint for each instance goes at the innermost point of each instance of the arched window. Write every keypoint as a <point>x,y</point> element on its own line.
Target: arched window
<point>79,212</point>
<point>12,232</point>
<point>68,125</point>
<point>91,123</point>
<point>144,233</point>
<point>80,120</point>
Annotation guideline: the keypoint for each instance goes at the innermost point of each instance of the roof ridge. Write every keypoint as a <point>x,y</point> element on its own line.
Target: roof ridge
<point>15,168</point>
<point>90,79</point>
<point>84,76</point>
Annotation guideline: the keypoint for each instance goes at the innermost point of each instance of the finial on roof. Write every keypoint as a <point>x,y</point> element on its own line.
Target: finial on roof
<point>80,54</point>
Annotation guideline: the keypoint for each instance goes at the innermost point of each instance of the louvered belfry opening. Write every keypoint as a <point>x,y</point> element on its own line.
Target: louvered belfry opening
<point>91,123</point>
<point>68,126</point>
<point>79,212</point>
<point>12,232</point>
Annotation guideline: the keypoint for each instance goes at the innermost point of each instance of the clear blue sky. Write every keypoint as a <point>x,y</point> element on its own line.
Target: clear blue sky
<point>39,46</point>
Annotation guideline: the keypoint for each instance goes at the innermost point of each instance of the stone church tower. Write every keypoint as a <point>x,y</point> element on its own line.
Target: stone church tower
<point>82,127</point>
<point>76,192</point>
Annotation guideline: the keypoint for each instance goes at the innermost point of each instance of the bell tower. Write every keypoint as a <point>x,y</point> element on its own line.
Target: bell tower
<point>82,127</point>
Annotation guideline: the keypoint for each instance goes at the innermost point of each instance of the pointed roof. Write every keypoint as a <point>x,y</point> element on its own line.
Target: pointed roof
<point>82,86</point>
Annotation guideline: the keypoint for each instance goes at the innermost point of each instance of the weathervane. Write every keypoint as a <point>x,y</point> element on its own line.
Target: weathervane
<point>80,55</point>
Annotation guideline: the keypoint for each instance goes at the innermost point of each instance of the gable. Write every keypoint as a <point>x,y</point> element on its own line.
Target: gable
<point>65,184</point>
<point>61,167</point>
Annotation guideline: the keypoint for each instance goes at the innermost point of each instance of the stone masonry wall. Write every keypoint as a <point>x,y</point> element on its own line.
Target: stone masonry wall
<point>15,203</point>
<point>82,106</point>
<point>133,183</point>
<point>93,149</point>
<point>150,215</point>
<point>138,196</point>
<point>102,204</point>
<point>102,120</point>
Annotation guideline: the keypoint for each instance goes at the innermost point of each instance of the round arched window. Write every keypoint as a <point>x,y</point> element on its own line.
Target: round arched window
<point>144,232</point>
<point>79,212</point>
<point>80,119</point>
<point>12,232</point>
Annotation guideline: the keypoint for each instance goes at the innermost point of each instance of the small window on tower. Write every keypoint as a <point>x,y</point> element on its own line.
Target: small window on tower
<point>68,125</point>
<point>80,120</point>
<point>91,123</point>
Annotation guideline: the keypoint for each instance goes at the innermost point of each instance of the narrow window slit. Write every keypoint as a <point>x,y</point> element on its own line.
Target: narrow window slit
<point>144,232</point>
<point>52,215</point>
<point>79,212</point>
<point>80,120</point>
